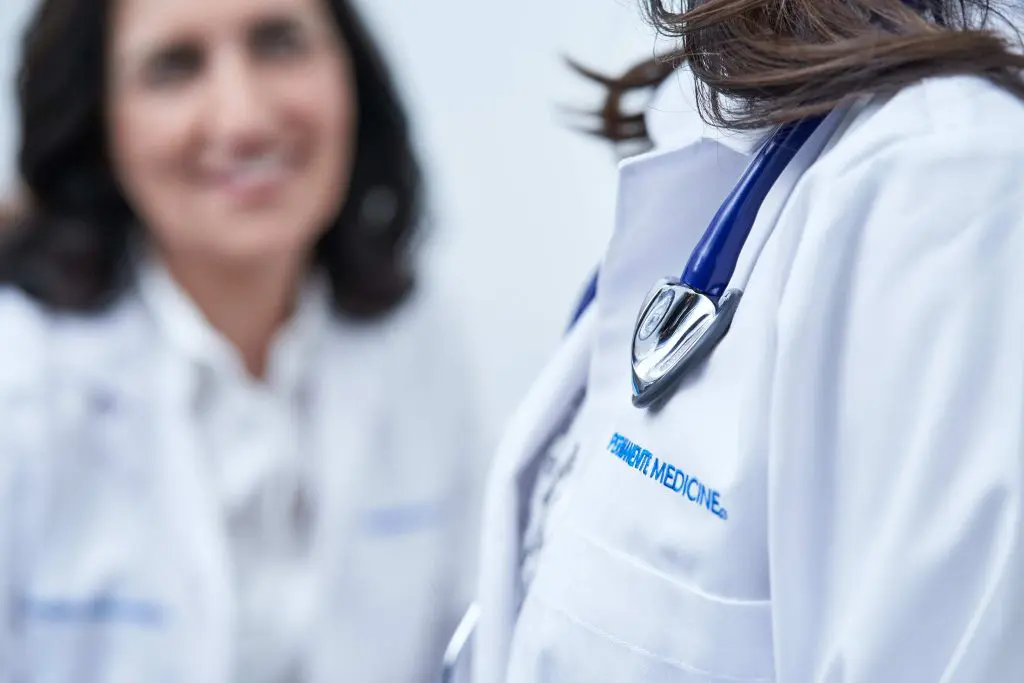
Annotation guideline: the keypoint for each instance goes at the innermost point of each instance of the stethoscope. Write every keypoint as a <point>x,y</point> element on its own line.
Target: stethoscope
<point>682,319</point>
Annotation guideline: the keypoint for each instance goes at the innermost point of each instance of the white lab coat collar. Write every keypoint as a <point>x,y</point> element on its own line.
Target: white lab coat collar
<point>673,120</point>
<point>186,328</point>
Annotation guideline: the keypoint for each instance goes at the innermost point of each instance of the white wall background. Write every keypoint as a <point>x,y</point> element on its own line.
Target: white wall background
<point>12,18</point>
<point>523,204</point>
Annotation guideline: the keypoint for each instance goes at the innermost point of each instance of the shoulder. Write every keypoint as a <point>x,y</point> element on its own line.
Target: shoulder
<point>933,162</point>
<point>54,363</point>
<point>41,345</point>
<point>24,394</point>
<point>919,196</point>
<point>426,328</point>
<point>421,346</point>
<point>958,117</point>
<point>426,345</point>
<point>964,105</point>
<point>418,382</point>
<point>437,318</point>
<point>24,332</point>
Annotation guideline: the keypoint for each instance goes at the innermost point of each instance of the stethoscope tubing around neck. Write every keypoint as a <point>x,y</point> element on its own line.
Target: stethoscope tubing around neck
<point>586,297</point>
<point>713,261</point>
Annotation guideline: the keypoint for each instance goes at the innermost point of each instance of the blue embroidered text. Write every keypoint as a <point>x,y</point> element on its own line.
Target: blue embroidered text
<point>668,475</point>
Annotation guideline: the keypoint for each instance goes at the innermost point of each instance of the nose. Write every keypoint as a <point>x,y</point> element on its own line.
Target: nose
<point>239,116</point>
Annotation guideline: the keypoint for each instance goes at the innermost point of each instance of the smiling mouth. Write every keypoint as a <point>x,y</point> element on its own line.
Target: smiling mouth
<point>254,177</point>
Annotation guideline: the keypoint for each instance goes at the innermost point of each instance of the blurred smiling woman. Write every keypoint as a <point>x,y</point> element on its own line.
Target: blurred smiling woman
<point>217,375</point>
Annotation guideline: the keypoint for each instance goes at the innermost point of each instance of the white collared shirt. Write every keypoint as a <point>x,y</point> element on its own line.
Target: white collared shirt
<point>253,432</point>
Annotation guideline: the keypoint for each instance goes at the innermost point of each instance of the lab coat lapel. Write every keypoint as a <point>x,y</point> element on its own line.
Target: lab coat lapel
<point>130,402</point>
<point>530,429</point>
<point>677,191</point>
<point>666,200</point>
<point>111,413</point>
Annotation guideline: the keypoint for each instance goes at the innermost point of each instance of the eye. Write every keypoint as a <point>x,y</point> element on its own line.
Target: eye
<point>173,64</point>
<point>279,38</point>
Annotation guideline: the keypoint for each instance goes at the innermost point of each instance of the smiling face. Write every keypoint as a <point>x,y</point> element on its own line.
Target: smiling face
<point>232,124</point>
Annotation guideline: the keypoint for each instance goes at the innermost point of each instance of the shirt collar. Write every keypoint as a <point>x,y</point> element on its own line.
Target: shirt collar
<point>673,120</point>
<point>186,328</point>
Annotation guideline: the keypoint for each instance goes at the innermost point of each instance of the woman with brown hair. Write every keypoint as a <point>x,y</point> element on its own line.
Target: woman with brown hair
<point>802,459</point>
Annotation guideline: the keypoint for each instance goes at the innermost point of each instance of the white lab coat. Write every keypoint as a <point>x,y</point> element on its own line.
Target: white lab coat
<point>862,422</point>
<point>114,565</point>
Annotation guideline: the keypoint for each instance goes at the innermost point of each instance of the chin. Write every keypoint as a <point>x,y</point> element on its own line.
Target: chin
<point>254,252</point>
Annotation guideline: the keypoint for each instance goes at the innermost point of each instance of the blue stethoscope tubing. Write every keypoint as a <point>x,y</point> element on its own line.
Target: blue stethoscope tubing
<point>712,263</point>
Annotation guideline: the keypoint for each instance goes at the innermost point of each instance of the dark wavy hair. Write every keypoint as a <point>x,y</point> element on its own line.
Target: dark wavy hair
<point>69,246</point>
<point>777,61</point>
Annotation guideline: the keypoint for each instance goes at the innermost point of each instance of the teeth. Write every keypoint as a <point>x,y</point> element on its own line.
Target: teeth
<point>263,161</point>
<point>259,167</point>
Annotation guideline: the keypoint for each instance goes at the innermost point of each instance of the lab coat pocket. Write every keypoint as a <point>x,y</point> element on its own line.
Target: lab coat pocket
<point>398,556</point>
<point>399,545</point>
<point>100,639</point>
<point>403,519</point>
<point>388,589</point>
<point>626,621</point>
<point>396,534</point>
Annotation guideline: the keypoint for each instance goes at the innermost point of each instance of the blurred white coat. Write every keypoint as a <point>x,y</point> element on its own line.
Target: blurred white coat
<point>120,476</point>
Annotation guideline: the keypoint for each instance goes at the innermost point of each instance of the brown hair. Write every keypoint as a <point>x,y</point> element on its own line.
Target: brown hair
<point>776,61</point>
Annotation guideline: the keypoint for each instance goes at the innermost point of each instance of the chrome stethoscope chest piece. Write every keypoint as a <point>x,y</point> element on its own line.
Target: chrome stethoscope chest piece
<point>676,329</point>
<point>683,319</point>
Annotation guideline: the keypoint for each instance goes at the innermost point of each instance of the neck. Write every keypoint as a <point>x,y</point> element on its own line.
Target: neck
<point>247,305</point>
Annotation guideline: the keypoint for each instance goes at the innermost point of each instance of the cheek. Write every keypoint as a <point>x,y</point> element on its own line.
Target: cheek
<point>152,144</point>
<point>331,110</point>
<point>147,145</point>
